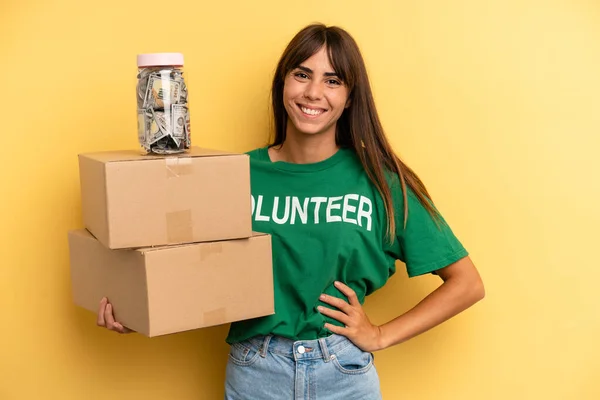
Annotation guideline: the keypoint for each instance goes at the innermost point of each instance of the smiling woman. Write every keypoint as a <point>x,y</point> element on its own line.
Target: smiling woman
<point>314,96</point>
<point>341,208</point>
<point>336,200</point>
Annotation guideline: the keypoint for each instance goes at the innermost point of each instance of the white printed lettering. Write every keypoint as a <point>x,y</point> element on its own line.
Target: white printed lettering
<point>348,208</point>
<point>258,210</point>
<point>286,213</point>
<point>351,208</point>
<point>364,212</point>
<point>317,201</point>
<point>332,206</point>
<point>298,209</point>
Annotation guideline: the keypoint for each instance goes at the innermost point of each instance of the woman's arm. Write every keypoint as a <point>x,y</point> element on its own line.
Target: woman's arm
<point>461,289</point>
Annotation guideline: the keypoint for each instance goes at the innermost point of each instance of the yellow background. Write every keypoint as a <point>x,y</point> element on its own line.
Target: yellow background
<point>494,103</point>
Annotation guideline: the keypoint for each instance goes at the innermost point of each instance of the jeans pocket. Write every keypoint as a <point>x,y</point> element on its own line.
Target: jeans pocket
<point>352,360</point>
<point>243,353</point>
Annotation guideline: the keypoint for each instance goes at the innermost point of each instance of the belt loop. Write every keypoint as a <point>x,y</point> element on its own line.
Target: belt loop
<point>324,350</point>
<point>265,346</point>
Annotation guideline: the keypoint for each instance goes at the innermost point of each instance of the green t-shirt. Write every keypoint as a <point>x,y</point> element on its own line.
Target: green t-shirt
<point>328,223</point>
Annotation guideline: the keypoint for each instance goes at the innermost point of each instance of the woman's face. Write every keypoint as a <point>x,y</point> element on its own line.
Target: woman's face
<point>314,96</point>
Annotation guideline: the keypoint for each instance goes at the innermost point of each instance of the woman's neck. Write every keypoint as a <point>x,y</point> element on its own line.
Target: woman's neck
<point>304,149</point>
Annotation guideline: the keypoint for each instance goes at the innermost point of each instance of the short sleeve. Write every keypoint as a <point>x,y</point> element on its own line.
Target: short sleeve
<point>426,244</point>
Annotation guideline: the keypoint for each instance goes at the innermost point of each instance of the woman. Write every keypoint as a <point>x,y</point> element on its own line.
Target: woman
<point>341,208</point>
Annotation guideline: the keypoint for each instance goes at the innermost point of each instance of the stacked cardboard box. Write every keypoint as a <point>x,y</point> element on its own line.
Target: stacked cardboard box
<point>169,241</point>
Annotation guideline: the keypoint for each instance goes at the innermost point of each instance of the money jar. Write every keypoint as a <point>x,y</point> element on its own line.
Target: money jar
<point>162,104</point>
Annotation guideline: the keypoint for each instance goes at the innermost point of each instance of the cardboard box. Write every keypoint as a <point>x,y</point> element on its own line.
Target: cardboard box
<point>163,290</point>
<point>131,200</point>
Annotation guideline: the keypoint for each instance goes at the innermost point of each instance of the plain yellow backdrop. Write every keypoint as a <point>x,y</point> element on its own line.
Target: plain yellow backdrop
<point>494,103</point>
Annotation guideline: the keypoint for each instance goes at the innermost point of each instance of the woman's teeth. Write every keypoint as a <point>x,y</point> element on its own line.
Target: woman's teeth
<point>310,111</point>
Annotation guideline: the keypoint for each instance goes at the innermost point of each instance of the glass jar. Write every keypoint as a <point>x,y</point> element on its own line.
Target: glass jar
<point>162,105</point>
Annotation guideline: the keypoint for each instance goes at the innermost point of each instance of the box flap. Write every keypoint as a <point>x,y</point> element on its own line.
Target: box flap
<point>132,155</point>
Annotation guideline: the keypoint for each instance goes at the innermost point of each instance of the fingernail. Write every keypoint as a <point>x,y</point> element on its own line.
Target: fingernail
<point>320,308</point>
<point>322,297</point>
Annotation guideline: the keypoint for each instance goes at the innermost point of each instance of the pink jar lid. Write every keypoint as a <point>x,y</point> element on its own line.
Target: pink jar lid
<point>159,59</point>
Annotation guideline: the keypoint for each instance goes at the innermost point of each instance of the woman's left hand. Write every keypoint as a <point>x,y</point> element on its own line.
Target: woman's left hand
<point>358,328</point>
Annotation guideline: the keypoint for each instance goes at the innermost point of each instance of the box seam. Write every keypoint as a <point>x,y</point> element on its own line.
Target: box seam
<point>149,314</point>
<point>107,200</point>
<point>176,156</point>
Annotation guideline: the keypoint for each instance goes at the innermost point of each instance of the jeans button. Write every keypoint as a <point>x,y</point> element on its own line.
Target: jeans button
<point>301,349</point>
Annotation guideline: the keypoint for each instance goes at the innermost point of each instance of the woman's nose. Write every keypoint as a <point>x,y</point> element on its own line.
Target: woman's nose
<point>314,91</point>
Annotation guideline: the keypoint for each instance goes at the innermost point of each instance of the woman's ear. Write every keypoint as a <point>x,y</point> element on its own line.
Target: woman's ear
<point>348,102</point>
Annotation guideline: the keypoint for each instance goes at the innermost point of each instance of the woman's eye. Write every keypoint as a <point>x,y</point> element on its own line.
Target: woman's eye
<point>301,75</point>
<point>334,82</point>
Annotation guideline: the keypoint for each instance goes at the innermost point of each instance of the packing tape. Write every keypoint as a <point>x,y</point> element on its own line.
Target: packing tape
<point>178,166</point>
<point>179,226</point>
<point>209,249</point>
<point>215,317</point>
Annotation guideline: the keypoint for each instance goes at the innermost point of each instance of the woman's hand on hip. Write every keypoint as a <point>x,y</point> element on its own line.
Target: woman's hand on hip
<point>357,328</point>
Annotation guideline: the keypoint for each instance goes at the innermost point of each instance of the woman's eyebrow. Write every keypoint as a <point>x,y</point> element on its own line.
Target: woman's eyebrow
<point>310,71</point>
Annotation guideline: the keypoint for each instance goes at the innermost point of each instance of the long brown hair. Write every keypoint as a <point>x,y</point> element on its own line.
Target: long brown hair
<point>359,126</point>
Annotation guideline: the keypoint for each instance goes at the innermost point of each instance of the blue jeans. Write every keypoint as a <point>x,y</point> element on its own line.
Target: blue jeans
<point>273,368</point>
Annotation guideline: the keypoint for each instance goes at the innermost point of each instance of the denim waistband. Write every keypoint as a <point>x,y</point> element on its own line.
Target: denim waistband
<point>323,348</point>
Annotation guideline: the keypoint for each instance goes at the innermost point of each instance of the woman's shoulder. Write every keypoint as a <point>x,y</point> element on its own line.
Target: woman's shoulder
<point>258,154</point>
